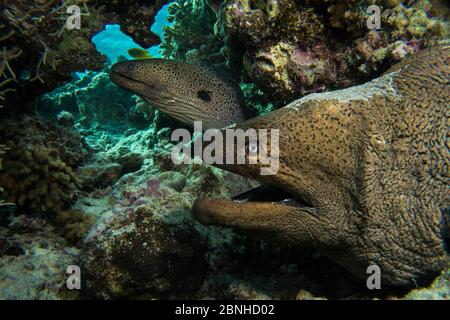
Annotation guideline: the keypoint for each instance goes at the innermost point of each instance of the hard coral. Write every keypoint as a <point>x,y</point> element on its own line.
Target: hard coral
<point>38,53</point>
<point>190,36</point>
<point>141,254</point>
<point>94,96</point>
<point>291,48</point>
<point>39,168</point>
<point>37,178</point>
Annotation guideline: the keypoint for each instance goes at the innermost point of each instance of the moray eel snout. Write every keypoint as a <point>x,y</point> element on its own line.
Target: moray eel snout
<point>186,92</point>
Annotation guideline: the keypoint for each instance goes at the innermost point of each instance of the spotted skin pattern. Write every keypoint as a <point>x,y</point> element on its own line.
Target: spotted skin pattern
<point>371,166</point>
<point>186,92</point>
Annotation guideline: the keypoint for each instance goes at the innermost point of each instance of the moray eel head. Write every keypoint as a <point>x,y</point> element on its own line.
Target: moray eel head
<point>362,174</point>
<point>186,92</point>
<point>285,200</point>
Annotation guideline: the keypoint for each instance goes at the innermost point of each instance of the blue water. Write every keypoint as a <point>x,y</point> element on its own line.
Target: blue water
<point>113,43</point>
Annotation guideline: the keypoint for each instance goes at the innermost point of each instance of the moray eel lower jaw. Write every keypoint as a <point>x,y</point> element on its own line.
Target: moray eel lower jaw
<point>282,199</point>
<point>255,212</point>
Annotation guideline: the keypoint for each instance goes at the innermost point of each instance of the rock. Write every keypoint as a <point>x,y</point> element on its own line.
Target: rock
<point>33,265</point>
<point>438,290</point>
<point>173,179</point>
<point>65,119</point>
<point>99,175</point>
<point>131,162</point>
<point>140,253</point>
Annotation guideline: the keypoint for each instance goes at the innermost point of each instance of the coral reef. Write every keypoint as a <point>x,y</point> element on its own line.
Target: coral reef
<point>191,35</point>
<point>38,52</point>
<point>3,150</point>
<point>33,260</point>
<point>95,185</point>
<point>145,242</point>
<point>93,100</point>
<point>291,48</point>
<point>39,168</point>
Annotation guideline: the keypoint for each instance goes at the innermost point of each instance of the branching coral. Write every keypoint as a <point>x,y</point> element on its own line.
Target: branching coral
<point>39,167</point>
<point>37,178</point>
<point>30,37</point>
<point>191,36</point>
<point>38,52</point>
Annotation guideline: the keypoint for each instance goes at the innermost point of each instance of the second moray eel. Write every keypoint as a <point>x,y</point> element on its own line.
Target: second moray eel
<point>186,92</point>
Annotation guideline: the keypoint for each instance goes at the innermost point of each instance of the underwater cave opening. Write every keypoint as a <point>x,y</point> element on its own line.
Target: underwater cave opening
<point>113,43</point>
<point>90,94</point>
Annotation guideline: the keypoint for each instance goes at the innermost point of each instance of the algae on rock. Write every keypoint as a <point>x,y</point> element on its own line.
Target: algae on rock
<point>191,35</point>
<point>39,170</point>
<point>292,48</point>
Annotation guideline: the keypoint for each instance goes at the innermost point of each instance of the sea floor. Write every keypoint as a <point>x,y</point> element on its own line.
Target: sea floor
<point>132,235</point>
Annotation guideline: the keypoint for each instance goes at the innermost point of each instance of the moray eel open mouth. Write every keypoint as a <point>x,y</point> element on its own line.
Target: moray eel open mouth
<point>262,203</point>
<point>271,194</point>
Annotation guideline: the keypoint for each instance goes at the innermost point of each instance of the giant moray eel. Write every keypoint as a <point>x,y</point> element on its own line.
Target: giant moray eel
<point>186,92</point>
<point>366,170</point>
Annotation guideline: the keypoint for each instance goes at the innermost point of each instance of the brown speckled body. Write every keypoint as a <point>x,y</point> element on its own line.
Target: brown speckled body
<point>372,164</point>
<point>186,92</point>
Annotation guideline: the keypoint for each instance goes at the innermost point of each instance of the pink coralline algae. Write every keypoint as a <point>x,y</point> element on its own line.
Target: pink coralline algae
<point>136,198</point>
<point>154,187</point>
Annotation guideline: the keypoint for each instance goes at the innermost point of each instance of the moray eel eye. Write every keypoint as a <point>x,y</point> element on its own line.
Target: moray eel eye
<point>251,148</point>
<point>204,95</point>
